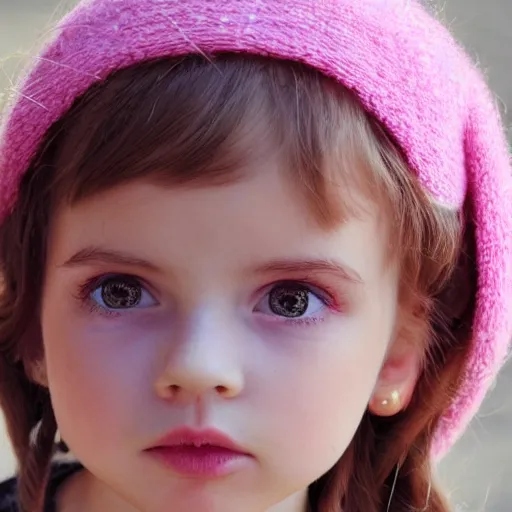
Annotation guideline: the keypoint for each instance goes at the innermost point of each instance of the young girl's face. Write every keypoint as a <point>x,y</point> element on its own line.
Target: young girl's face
<point>222,309</point>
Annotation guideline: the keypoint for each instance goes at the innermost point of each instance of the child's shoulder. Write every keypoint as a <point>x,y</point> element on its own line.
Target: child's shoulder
<point>59,472</point>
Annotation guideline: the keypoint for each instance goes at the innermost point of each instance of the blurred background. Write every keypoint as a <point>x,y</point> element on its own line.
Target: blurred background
<point>478,473</point>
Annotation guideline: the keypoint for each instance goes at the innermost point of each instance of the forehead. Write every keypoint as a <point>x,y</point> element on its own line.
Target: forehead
<point>260,217</point>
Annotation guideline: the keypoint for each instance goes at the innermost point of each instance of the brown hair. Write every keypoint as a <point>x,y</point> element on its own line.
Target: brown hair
<point>194,121</point>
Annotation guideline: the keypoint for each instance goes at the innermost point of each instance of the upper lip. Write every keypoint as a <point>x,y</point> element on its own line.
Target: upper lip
<point>191,437</point>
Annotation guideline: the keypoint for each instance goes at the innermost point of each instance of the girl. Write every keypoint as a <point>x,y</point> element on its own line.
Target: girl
<point>255,256</point>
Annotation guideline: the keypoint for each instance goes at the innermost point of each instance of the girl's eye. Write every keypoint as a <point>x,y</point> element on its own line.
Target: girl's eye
<point>291,300</point>
<point>121,292</point>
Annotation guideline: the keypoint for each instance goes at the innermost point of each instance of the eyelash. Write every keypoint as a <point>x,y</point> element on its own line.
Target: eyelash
<point>322,292</point>
<point>86,289</point>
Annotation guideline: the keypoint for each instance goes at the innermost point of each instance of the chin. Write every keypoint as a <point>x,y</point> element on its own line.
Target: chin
<point>204,502</point>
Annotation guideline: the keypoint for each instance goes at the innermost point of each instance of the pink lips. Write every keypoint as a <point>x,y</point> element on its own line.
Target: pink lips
<point>205,453</point>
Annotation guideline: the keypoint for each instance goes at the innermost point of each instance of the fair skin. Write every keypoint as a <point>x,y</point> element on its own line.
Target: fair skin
<point>203,348</point>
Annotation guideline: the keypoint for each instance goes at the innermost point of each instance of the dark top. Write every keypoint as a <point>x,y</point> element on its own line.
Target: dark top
<point>59,472</point>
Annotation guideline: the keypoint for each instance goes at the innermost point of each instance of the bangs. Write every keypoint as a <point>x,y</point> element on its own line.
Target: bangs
<point>198,122</point>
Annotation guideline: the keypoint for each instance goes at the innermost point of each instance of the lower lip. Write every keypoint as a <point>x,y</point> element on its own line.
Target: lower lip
<point>200,462</point>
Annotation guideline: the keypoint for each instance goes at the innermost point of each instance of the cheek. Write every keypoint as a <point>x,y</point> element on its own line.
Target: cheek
<point>316,396</point>
<point>98,376</point>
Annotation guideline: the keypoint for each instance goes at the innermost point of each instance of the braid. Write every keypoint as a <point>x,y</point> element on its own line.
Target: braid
<point>34,467</point>
<point>31,426</point>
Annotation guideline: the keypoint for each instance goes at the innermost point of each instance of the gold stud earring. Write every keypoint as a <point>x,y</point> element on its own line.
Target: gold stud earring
<point>393,401</point>
<point>388,406</point>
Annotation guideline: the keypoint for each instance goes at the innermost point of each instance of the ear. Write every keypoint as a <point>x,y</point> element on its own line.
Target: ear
<point>36,372</point>
<point>33,358</point>
<point>400,372</point>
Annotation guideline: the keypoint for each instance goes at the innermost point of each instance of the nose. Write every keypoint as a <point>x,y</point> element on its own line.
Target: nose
<point>203,359</point>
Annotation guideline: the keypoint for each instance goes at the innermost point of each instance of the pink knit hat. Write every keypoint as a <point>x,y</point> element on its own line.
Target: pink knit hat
<point>405,68</point>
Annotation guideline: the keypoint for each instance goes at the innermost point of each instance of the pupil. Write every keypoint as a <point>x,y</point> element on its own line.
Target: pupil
<point>289,301</point>
<point>121,294</point>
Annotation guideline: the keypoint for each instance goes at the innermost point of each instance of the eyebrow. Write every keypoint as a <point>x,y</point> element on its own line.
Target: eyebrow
<point>97,255</point>
<point>311,265</point>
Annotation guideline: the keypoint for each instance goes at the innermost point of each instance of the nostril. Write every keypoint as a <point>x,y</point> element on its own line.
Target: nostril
<point>167,391</point>
<point>222,390</point>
